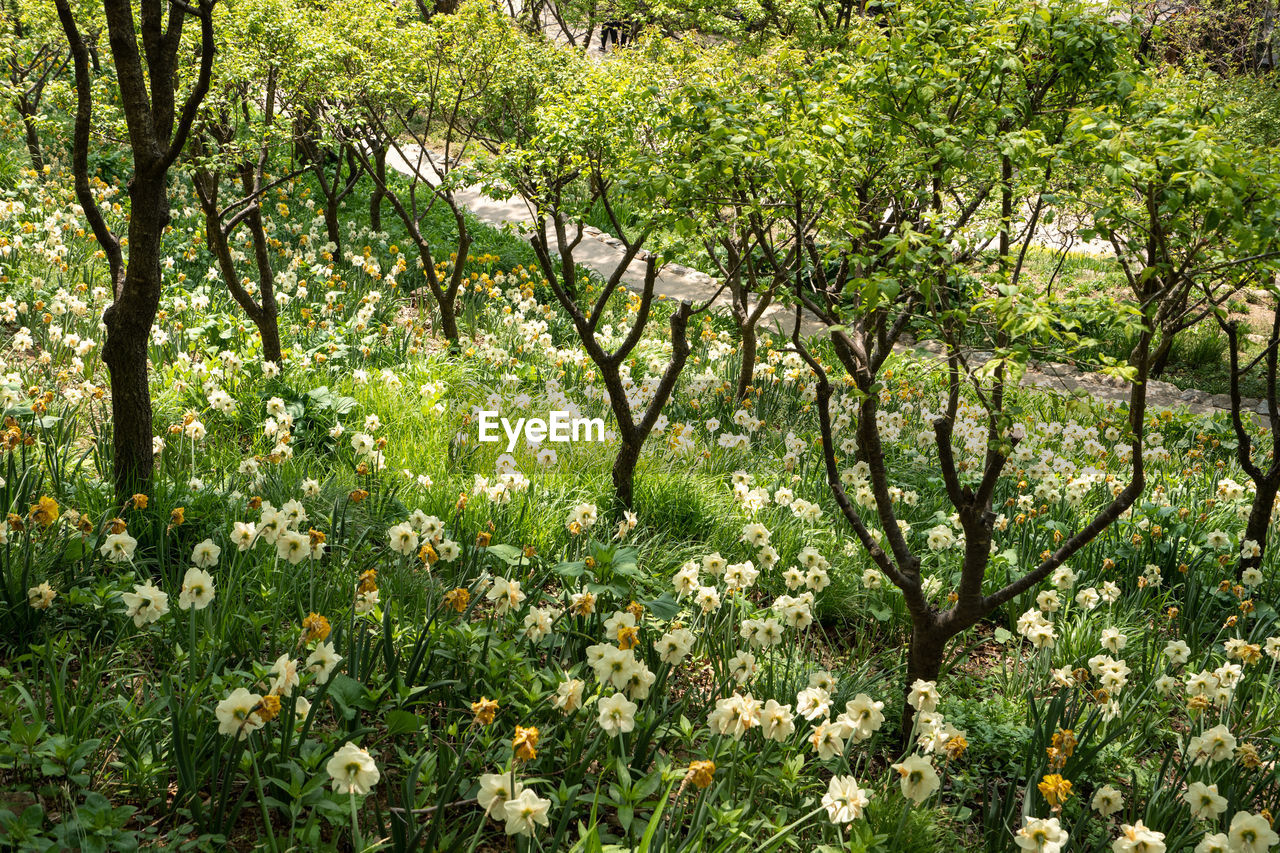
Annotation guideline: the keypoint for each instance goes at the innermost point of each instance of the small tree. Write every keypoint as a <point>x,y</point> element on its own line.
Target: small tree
<point>937,148</point>
<point>1193,247</point>
<point>738,181</point>
<point>411,83</point>
<point>158,126</point>
<point>1192,217</point>
<point>235,137</point>
<point>591,147</point>
<point>36,56</point>
<point>311,94</point>
<point>1265,473</point>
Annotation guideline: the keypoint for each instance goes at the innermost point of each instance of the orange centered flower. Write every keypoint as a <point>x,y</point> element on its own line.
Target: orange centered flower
<point>628,637</point>
<point>956,745</point>
<point>585,605</point>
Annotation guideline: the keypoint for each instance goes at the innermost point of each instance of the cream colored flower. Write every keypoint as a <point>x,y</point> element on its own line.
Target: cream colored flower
<point>1041,835</point>
<point>41,596</point>
<point>403,538</point>
<point>923,695</point>
<point>525,812</point>
<point>1215,843</point>
<point>568,696</point>
<point>505,595</point>
<point>197,590</point>
<point>323,661</point>
<point>118,547</point>
<point>352,770</point>
<point>284,675</point>
<point>206,554</point>
<point>495,790</point>
<point>864,716</point>
<point>1251,833</point>
<point>617,714</point>
<point>918,779</point>
<point>235,713</point>
<point>1138,838</point>
<point>844,801</point>
<point>146,604</point>
<point>1107,801</point>
<point>777,721</point>
<point>1204,801</point>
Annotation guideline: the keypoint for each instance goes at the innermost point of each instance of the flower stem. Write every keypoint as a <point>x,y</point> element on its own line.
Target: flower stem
<point>356,842</point>
<point>262,800</point>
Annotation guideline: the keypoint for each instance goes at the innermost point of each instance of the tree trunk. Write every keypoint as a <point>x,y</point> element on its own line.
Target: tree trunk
<point>449,321</point>
<point>624,472</point>
<point>1160,359</point>
<point>32,136</point>
<point>270,332</point>
<point>445,294</point>
<point>635,433</point>
<point>267,316</point>
<point>333,228</point>
<point>924,662</point>
<point>156,141</point>
<point>375,197</point>
<point>747,371</point>
<point>264,313</point>
<point>1259,523</point>
<point>128,320</point>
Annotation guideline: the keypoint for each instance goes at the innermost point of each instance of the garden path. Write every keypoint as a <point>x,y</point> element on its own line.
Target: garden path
<point>601,253</point>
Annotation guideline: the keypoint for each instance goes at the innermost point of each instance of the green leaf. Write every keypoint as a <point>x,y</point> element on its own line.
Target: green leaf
<point>346,693</point>
<point>664,606</point>
<point>403,722</point>
<point>509,554</point>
